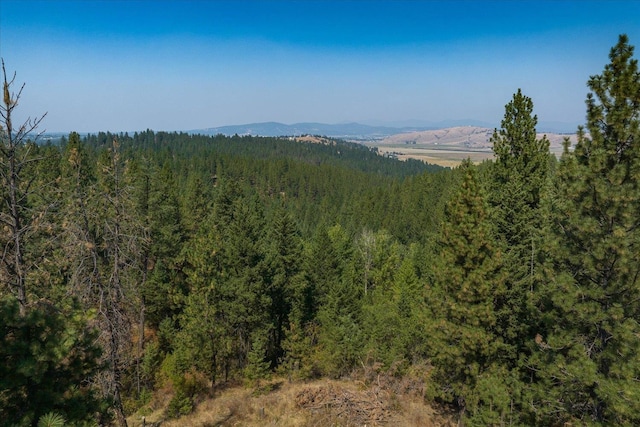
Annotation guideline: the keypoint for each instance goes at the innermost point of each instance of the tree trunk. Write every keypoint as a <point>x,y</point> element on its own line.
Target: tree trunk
<point>12,160</point>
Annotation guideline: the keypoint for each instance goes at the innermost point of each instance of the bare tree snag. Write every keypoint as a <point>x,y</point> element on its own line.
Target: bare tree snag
<point>14,214</point>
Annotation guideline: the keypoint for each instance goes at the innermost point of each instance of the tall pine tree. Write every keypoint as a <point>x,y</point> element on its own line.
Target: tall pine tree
<point>588,362</point>
<point>466,348</point>
<point>285,281</point>
<point>517,179</point>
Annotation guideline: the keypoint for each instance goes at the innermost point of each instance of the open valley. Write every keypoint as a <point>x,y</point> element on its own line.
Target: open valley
<point>448,147</point>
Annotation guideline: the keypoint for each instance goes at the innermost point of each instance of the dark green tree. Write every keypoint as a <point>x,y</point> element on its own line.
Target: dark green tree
<point>258,367</point>
<point>467,350</point>
<point>204,340</point>
<point>518,179</point>
<point>341,338</point>
<point>322,267</point>
<point>49,358</point>
<point>393,301</point>
<point>285,281</point>
<point>588,363</point>
<point>227,272</point>
<point>409,304</point>
<point>158,209</point>
<point>196,202</point>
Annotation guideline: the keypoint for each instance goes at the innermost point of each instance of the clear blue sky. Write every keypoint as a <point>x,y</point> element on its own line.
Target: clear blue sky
<point>165,65</point>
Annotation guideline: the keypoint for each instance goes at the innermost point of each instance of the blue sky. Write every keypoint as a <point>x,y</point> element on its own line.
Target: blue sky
<point>165,65</point>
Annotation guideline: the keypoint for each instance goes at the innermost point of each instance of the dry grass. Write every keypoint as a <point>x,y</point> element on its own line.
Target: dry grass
<point>449,147</point>
<point>313,404</point>
<point>438,156</point>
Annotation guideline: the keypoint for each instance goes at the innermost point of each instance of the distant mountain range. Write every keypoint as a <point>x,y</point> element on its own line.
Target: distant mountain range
<point>356,131</point>
<point>347,130</point>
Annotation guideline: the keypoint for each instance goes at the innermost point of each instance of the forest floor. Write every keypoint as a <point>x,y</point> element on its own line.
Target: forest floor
<point>317,403</point>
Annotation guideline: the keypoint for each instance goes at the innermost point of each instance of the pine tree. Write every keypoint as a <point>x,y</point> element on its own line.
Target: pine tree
<point>202,341</point>
<point>78,254</point>
<point>102,245</point>
<point>340,313</point>
<point>158,208</point>
<point>322,266</point>
<point>48,358</point>
<point>384,326</point>
<point>285,284</point>
<point>227,275</point>
<point>195,203</point>
<point>466,348</point>
<point>588,363</point>
<point>258,367</point>
<point>517,179</point>
<point>409,304</point>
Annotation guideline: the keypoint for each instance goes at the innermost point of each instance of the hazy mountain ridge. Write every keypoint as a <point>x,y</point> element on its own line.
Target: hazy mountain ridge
<point>346,130</point>
<point>368,132</point>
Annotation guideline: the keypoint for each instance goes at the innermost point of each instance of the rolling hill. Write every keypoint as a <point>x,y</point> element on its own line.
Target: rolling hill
<point>463,137</point>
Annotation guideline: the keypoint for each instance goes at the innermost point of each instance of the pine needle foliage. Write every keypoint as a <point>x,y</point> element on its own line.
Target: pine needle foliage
<point>466,348</point>
<point>48,359</point>
<point>589,351</point>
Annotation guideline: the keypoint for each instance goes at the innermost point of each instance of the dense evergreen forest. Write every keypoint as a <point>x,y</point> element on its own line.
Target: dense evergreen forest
<point>156,260</point>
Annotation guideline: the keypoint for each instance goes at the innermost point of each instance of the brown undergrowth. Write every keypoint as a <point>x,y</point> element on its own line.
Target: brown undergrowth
<point>367,398</point>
